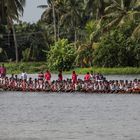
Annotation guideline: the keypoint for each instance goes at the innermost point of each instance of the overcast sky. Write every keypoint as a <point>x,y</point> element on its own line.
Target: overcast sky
<point>31,12</point>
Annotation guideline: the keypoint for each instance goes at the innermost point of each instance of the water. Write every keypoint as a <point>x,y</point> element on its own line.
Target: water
<point>69,116</point>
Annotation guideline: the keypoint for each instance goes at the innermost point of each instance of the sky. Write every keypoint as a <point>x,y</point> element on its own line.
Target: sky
<point>31,12</point>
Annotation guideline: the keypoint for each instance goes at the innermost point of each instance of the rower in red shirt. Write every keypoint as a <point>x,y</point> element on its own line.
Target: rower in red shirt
<point>3,71</point>
<point>87,77</point>
<point>48,76</point>
<point>74,77</point>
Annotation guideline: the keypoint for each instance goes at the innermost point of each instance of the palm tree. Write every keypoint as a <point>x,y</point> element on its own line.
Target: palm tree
<point>118,13</point>
<point>52,9</point>
<point>121,11</point>
<point>11,10</point>
<point>72,16</point>
<point>2,13</point>
<point>84,55</point>
<point>95,8</point>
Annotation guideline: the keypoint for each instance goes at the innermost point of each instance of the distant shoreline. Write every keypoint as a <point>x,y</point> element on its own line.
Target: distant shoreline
<point>35,67</point>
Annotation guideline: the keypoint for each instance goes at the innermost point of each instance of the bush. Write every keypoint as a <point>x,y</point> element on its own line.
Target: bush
<point>26,55</point>
<point>137,54</point>
<point>61,55</point>
<point>117,50</point>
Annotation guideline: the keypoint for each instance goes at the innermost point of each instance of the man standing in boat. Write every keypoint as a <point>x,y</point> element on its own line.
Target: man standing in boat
<point>48,76</point>
<point>24,75</point>
<point>74,77</point>
<point>2,71</point>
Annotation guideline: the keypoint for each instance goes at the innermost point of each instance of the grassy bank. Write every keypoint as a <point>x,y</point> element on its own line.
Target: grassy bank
<point>35,67</point>
<point>110,71</point>
<point>29,67</point>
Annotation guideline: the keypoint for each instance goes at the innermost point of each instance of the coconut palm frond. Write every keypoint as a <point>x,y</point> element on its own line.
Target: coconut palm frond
<point>136,33</point>
<point>116,3</point>
<point>111,15</point>
<point>112,23</point>
<point>110,8</point>
<point>65,17</point>
<point>133,12</point>
<point>47,14</point>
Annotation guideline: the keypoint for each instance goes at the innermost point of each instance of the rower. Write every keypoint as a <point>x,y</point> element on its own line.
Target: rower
<point>24,75</point>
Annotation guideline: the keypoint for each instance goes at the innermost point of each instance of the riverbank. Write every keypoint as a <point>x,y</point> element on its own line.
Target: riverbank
<point>35,67</point>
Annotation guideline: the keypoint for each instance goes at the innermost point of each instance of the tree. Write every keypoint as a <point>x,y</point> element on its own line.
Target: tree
<point>11,10</point>
<point>136,33</point>
<point>61,55</point>
<point>84,55</point>
<point>116,50</point>
<point>32,41</point>
<point>96,8</point>
<point>51,10</point>
<point>121,11</point>
<point>73,11</point>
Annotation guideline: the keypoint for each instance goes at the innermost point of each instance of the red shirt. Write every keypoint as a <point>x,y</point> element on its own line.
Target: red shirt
<point>74,77</point>
<point>60,77</point>
<point>87,77</point>
<point>3,71</point>
<point>48,76</point>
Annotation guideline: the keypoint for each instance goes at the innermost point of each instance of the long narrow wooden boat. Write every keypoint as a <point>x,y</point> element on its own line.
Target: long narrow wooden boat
<point>134,91</point>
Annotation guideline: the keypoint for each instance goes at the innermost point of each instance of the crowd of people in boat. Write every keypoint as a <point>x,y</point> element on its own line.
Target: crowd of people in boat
<point>92,83</point>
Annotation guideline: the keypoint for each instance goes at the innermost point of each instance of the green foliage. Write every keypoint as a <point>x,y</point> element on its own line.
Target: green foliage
<point>117,50</point>
<point>61,55</point>
<point>108,71</point>
<point>84,55</point>
<point>26,55</point>
<point>31,41</point>
<point>29,67</point>
<point>3,55</point>
<point>137,54</point>
<point>113,25</point>
<point>3,45</point>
